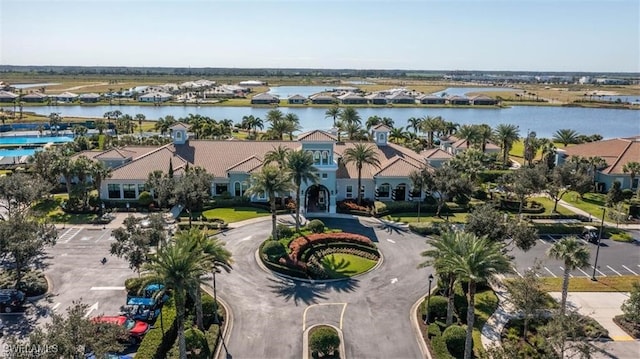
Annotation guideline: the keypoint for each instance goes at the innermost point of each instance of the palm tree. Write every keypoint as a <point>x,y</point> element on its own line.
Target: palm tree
<point>574,255</point>
<point>469,133</point>
<point>350,116</point>
<point>506,135</point>
<point>430,125</point>
<point>274,116</point>
<point>140,117</point>
<point>268,182</point>
<point>442,247</point>
<point>595,163</point>
<point>397,135</point>
<point>300,164</point>
<point>474,259</point>
<point>361,154</point>
<point>333,112</point>
<point>164,123</point>
<point>179,268</point>
<point>484,135</point>
<point>217,258</point>
<point>414,123</point>
<point>278,155</point>
<point>54,122</point>
<point>566,136</point>
<point>632,168</point>
<point>99,172</point>
<point>293,124</point>
<point>372,121</point>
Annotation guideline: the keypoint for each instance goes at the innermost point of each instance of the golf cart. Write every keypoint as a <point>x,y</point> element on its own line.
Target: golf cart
<point>590,234</point>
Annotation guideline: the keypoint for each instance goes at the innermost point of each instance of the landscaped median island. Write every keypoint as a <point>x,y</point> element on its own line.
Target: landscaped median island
<point>318,253</point>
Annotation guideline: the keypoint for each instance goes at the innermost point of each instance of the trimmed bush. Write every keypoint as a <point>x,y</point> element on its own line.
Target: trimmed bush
<point>152,345</point>
<point>437,307</point>
<point>460,303</point>
<point>145,199</point>
<point>425,229</point>
<point>209,307</point>
<point>212,337</point>
<point>433,330</point>
<point>324,340</point>
<point>301,244</point>
<point>133,285</point>
<point>439,347</point>
<point>284,231</point>
<point>33,283</point>
<point>274,250</point>
<point>316,226</point>
<point>454,338</point>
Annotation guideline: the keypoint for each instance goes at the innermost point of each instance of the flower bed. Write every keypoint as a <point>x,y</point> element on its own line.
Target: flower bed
<point>300,244</point>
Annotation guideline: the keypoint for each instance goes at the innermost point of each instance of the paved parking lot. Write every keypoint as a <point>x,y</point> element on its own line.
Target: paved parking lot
<point>76,273</point>
<point>614,259</point>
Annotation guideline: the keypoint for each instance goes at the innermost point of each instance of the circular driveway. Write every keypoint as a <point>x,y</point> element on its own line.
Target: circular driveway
<point>373,310</point>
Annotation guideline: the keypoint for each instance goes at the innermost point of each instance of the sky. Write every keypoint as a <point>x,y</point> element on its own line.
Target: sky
<point>490,35</point>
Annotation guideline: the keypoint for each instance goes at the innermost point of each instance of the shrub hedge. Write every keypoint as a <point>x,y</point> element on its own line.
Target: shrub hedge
<point>153,346</point>
<point>300,244</point>
<point>454,337</point>
<point>437,307</point>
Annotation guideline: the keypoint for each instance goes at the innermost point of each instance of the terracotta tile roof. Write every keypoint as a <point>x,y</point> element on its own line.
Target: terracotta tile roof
<point>316,136</point>
<point>115,153</point>
<point>88,154</point>
<point>617,152</point>
<point>217,156</point>
<point>246,165</point>
<point>138,151</point>
<point>157,160</point>
<point>397,167</point>
<point>435,153</point>
<point>386,154</point>
<point>180,125</point>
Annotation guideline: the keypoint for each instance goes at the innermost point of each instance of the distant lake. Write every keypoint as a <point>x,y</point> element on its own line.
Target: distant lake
<point>25,86</point>
<point>285,92</point>
<point>545,120</point>
<point>463,91</point>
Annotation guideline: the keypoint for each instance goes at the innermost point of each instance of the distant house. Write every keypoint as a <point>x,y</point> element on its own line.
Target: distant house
<point>401,98</point>
<point>264,99</point>
<point>89,97</point>
<point>458,100</point>
<point>432,100</point>
<point>297,100</point>
<point>616,152</point>
<point>251,83</point>
<point>35,97</point>
<point>482,100</point>
<point>320,99</point>
<point>454,145</point>
<point>352,99</point>
<point>66,97</point>
<point>155,97</point>
<point>377,99</point>
<point>6,96</point>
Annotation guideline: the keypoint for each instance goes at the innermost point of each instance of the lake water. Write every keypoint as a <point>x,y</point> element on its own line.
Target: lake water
<point>25,86</point>
<point>463,91</point>
<point>544,120</point>
<point>285,92</point>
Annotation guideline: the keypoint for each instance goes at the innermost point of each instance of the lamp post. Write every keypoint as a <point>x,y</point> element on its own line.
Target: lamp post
<point>426,319</point>
<point>595,264</point>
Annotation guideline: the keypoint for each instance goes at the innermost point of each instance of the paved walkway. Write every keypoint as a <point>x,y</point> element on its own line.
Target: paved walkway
<point>577,210</point>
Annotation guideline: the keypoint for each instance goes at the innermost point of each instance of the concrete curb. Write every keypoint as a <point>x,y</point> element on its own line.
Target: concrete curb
<point>46,294</point>
<point>413,317</point>
<point>305,341</point>
<point>228,322</point>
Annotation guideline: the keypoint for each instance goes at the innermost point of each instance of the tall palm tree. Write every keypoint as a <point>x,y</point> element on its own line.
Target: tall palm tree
<point>484,135</point>
<point>372,121</point>
<point>596,163</point>
<point>431,125</point>
<point>506,135</point>
<point>469,133</point>
<point>217,258</point>
<point>361,154</point>
<point>140,117</point>
<point>293,124</point>
<point>333,112</point>
<point>179,268</point>
<point>300,164</point>
<point>164,123</point>
<point>278,155</point>
<point>414,123</point>
<point>397,135</point>
<point>574,255</point>
<point>268,182</point>
<point>274,116</point>
<point>474,259</point>
<point>99,172</point>
<point>349,115</point>
<point>633,169</point>
<point>54,122</point>
<point>566,136</point>
<point>441,247</point>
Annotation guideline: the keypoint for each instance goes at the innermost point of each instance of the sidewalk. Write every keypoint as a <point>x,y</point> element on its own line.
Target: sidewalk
<point>587,214</point>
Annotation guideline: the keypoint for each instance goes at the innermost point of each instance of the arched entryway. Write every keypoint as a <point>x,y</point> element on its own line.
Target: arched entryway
<point>316,199</point>
<point>400,193</point>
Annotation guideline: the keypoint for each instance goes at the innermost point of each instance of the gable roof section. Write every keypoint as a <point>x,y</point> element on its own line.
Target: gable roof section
<point>115,153</point>
<point>157,160</point>
<point>179,125</point>
<point>617,152</point>
<point>436,153</point>
<point>385,155</point>
<point>316,136</point>
<point>246,165</point>
<point>397,167</point>
<point>297,97</point>
<point>7,94</point>
<point>381,128</point>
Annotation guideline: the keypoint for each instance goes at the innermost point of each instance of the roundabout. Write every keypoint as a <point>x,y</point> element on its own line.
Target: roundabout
<point>271,312</point>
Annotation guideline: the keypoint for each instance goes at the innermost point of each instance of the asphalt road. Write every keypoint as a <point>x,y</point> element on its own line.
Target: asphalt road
<point>373,310</point>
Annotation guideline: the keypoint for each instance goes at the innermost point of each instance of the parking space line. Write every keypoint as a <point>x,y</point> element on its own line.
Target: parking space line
<point>107,233</point>
<point>615,271</point>
<point>518,273</point>
<point>598,270</point>
<point>570,275</point>
<point>53,309</point>
<point>550,272</point>
<point>585,273</point>
<point>70,234</point>
<point>627,268</point>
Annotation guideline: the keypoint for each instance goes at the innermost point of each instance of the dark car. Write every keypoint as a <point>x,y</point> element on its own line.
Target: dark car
<point>11,299</point>
<point>145,309</point>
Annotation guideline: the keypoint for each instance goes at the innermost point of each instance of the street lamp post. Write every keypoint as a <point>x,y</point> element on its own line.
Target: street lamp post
<point>595,264</point>
<point>426,319</point>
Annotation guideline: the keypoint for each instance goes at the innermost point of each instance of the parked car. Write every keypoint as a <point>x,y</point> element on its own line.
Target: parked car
<point>11,299</point>
<point>142,308</point>
<point>137,329</point>
<point>590,234</point>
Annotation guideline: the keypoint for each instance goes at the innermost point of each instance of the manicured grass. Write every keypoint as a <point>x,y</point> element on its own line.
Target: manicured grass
<point>52,210</point>
<point>579,284</point>
<point>486,304</point>
<point>230,215</point>
<point>548,206</point>
<point>342,265</point>
<point>591,202</point>
<point>412,217</point>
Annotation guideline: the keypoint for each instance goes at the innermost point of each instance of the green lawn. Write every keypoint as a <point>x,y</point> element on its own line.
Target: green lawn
<point>486,304</point>
<point>230,215</point>
<point>591,202</point>
<point>579,284</point>
<point>411,217</point>
<point>51,208</point>
<point>341,265</point>
<point>548,206</point>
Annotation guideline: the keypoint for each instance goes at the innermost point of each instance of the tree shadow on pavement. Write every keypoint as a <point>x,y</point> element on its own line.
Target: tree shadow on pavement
<point>297,291</point>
